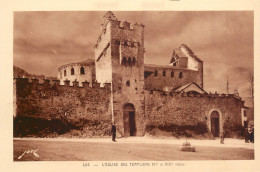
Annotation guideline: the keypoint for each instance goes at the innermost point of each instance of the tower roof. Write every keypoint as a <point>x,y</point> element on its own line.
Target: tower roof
<point>109,15</point>
<point>183,51</point>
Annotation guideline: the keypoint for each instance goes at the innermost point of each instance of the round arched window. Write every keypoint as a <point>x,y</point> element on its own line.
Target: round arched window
<point>124,61</point>
<point>72,71</point>
<point>155,73</point>
<point>82,70</point>
<point>180,75</point>
<point>133,62</point>
<point>172,74</point>
<point>164,73</point>
<point>129,61</point>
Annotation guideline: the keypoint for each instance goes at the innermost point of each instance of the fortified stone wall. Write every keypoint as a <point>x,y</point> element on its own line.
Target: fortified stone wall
<point>174,77</point>
<point>184,109</point>
<point>54,101</point>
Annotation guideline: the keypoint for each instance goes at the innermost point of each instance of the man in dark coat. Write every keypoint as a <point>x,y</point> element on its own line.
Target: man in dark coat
<point>113,130</point>
<point>222,136</point>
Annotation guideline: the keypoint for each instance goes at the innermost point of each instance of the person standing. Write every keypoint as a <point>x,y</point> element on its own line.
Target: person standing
<point>222,137</point>
<point>113,132</point>
<point>246,135</point>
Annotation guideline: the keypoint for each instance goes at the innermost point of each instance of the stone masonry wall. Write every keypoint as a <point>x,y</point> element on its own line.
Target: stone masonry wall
<point>128,78</point>
<point>88,76</point>
<point>55,101</point>
<point>103,56</point>
<point>183,109</point>
<point>159,82</point>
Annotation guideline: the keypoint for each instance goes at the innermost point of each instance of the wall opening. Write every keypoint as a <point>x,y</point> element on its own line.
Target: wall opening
<point>155,73</point>
<point>65,72</point>
<point>129,61</point>
<point>129,120</point>
<point>124,61</point>
<point>133,61</point>
<point>180,75</point>
<point>214,121</point>
<point>82,70</point>
<point>172,74</point>
<point>128,83</point>
<point>72,71</point>
<point>164,73</point>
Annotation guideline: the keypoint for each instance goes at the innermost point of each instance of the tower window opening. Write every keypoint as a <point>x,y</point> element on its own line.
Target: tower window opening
<point>65,72</point>
<point>124,61</point>
<point>155,73</point>
<point>180,75</point>
<point>133,61</point>
<point>128,83</point>
<point>72,71</point>
<point>125,43</point>
<point>164,73</point>
<point>82,70</point>
<point>129,61</point>
<point>244,113</point>
<point>172,74</point>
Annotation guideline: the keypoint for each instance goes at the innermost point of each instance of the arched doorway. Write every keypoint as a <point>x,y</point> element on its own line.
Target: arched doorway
<point>129,120</point>
<point>214,121</point>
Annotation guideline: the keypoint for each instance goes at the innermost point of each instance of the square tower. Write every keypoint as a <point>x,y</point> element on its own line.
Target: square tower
<point>119,59</point>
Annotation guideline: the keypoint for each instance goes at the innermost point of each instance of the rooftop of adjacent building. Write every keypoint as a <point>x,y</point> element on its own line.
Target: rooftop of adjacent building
<point>82,62</point>
<point>248,101</point>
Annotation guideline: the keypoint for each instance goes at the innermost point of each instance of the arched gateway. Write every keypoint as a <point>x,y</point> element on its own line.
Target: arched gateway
<point>214,120</point>
<point>129,120</point>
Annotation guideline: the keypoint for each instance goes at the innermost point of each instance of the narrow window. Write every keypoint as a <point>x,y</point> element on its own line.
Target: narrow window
<point>244,113</point>
<point>180,75</point>
<point>133,61</point>
<point>82,70</point>
<point>129,60</point>
<point>124,61</point>
<point>128,83</point>
<point>65,73</point>
<point>164,73</point>
<point>172,74</point>
<point>125,43</point>
<point>72,71</point>
<point>155,73</point>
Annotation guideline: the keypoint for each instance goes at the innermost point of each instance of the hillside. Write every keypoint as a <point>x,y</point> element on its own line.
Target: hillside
<point>19,72</point>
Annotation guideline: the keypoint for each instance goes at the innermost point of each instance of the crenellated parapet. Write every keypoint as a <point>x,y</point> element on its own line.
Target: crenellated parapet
<point>46,84</point>
<point>184,94</point>
<point>110,21</point>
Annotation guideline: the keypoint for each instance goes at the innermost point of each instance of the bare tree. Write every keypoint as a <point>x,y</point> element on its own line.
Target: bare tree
<point>251,81</point>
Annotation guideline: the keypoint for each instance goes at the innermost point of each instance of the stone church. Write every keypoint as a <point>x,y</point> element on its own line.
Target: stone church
<point>117,87</point>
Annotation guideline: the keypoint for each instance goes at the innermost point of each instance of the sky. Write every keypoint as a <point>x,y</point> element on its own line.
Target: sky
<point>43,41</point>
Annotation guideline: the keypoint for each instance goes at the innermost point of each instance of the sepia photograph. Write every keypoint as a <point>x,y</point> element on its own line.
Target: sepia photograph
<point>133,86</point>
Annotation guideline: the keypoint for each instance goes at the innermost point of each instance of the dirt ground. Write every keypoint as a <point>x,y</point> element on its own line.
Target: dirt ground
<point>29,149</point>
